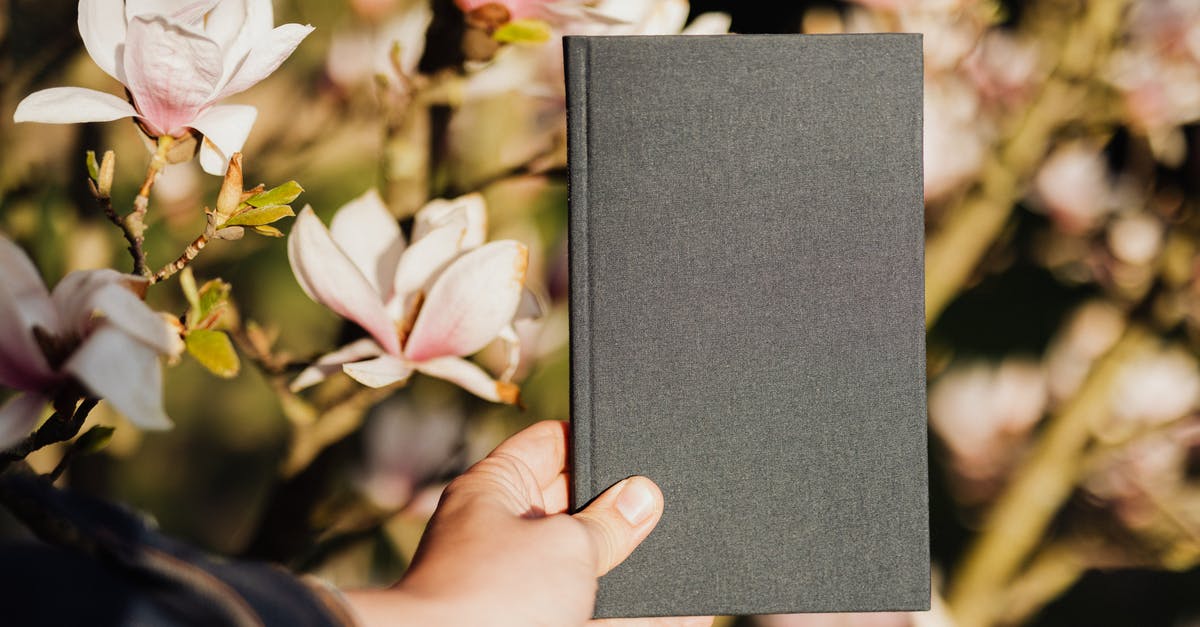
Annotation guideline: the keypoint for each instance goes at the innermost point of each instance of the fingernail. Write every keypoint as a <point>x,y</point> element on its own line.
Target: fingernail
<point>635,502</point>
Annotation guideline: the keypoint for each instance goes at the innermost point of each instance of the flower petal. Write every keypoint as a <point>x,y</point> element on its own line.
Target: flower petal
<point>333,362</point>
<point>371,237</point>
<point>264,57</point>
<point>472,300</point>
<point>329,277</point>
<point>422,260</point>
<point>18,416</point>
<point>471,378</point>
<point>74,294</point>
<point>225,22</point>
<point>130,314</point>
<point>167,8</point>
<point>711,23</point>
<point>171,70</point>
<point>378,372</point>
<point>123,371</point>
<point>225,128</point>
<point>102,27</point>
<point>24,304</point>
<point>69,105</point>
<point>468,211</point>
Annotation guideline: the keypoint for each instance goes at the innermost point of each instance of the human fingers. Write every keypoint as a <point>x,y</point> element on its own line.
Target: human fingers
<point>542,447</point>
<point>619,519</point>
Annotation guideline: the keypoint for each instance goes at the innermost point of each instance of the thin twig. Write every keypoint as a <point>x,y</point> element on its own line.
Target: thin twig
<point>63,425</point>
<point>135,243</point>
<point>184,259</point>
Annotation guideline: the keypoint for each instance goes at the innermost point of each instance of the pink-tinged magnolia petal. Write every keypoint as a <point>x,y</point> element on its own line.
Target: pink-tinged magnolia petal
<point>171,70</point>
<point>129,313</point>
<point>333,362</point>
<point>380,371</point>
<point>371,237</point>
<point>711,23</point>
<point>240,25</point>
<point>74,294</point>
<point>423,259</point>
<point>18,416</point>
<point>69,105</point>
<point>167,8</point>
<point>666,18</point>
<point>473,299</point>
<point>329,277</point>
<point>225,129</point>
<point>468,211</point>
<point>24,304</point>
<point>471,378</point>
<point>194,14</point>
<point>264,57</point>
<point>123,371</point>
<point>102,27</point>
<point>225,21</point>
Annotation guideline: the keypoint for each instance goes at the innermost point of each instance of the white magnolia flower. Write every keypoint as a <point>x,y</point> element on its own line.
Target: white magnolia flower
<point>426,304</point>
<point>92,329</point>
<point>176,60</point>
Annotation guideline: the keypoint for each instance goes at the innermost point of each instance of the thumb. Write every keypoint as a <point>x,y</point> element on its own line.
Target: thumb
<point>619,519</point>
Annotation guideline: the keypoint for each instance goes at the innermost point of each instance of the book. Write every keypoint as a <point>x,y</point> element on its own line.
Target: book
<point>747,316</point>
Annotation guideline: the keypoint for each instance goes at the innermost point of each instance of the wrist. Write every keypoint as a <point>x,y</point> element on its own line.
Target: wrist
<point>397,606</point>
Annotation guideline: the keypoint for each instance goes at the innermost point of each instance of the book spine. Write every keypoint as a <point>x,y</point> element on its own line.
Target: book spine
<point>576,57</point>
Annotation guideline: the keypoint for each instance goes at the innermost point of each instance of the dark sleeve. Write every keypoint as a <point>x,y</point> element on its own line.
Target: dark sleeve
<point>103,565</point>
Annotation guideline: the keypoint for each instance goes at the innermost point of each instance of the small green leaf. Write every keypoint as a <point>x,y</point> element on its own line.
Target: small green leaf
<point>214,351</point>
<point>258,216</point>
<point>94,440</point>
<point>93,166</point>
<point>187,281</point>
<point>523,31</point>
<point>282,195</point>
<point>212,309</point>
<point>269,231</point>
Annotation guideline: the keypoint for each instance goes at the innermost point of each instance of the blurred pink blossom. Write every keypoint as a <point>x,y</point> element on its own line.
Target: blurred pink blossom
<point>517,9</point>
<point>981,409</point>
<point>408,444</point>
<point>1089,333</point>
<point>1073,187</point>
<point>1156,388</point>
<point>176,61</point>
<point>360,53</point>
<point>956,138</point>
<point>92,329</point>
<point>426,304</point>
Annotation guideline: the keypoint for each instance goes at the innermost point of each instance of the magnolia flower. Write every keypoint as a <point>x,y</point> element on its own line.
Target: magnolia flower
<point>176,60</point>
<point>92,330</point>
<point>426,304</point>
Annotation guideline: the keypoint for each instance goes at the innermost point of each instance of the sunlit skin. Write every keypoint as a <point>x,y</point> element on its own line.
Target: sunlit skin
<point>501,549</point>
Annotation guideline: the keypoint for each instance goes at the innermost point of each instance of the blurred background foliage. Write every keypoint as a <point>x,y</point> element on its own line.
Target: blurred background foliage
<point>1061,173</point>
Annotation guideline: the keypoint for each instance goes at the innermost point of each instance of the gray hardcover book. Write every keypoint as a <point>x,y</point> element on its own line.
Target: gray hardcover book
<point>747,324</point>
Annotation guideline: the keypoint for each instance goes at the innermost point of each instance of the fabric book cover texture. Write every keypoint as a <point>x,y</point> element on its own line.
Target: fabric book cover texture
<point>747,320</point>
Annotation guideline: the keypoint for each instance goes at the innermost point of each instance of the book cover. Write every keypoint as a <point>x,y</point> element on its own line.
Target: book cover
<point>747,326</point>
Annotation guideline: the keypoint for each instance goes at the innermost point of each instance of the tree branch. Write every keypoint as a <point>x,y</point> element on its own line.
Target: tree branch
<point>63,425</point>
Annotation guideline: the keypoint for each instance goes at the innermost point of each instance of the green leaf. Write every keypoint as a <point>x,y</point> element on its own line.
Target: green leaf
<point>525,31</point>
<point>92,166</point>
<point>214,351</point>
<point>258,216</point>
<point>187,281</point>
<point>95,439</point>
<point>269,231</point>
<point>211,309</point>
<point>282,195</point>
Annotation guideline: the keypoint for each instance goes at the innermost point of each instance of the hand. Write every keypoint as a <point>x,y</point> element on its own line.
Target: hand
<point>500,549</point>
